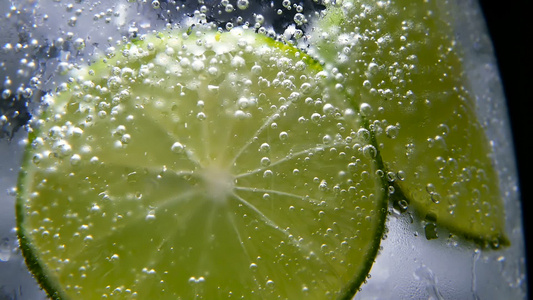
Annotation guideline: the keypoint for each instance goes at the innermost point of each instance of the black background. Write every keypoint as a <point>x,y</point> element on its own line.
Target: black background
<point>509,24</point>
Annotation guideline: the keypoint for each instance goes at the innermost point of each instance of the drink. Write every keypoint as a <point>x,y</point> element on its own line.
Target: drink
<point>373,129</point>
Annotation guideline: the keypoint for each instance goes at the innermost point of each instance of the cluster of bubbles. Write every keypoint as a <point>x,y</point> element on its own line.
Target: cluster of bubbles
<point>41,41</point>
<point>33,63</point>
<point>257,92</point>
<point>265,16</point>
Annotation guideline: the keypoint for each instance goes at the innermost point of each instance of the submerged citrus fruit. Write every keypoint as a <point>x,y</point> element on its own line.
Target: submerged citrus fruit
<point>403,65</point>
<point>200,165</point>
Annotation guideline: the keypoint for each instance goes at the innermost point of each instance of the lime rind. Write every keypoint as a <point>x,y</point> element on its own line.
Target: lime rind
<point>68,191</point>
<point>355,285</point>
<point>31,256</point>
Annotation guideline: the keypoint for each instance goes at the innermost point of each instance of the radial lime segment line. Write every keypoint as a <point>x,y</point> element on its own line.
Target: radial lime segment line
<point>267,122</point>
<point>292,156</point>
<point>256,190</point>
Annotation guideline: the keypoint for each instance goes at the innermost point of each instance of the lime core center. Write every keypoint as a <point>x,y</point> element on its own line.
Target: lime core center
<point>218,182</point>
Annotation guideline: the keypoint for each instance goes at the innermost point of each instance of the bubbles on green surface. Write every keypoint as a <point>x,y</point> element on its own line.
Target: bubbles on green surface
<point>338,144</point>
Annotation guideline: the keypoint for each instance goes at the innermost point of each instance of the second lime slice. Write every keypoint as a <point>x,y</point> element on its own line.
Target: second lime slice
<point>403,64</point>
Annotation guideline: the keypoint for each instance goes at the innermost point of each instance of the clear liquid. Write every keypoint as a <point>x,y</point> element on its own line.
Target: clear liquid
<point>408,267</point>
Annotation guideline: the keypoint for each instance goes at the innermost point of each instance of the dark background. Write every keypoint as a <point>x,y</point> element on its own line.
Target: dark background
<point>509,24</point>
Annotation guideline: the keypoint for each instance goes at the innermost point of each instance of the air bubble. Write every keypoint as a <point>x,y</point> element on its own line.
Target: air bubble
<point>177,147</point>
<point>55,132</point>
<point>62,148</point>
<point>370,151</point>
<point>121,129</point>
<point>243,4</point>
<point>237,61</point>
<point>365,109</point>
<point>239,114</point>
<point>259,18</point>
<point>265,148</point>
<point>430,188</point>
<point>435,197</point>
<point>213,71</point>
<point>316,117</point>
<point>6,94</point>
<point>79,44</point>
<point>243,102</point>
<point>125,139</point>
<point>198,65</point>
<point>114,82</point>
<point>37,158</point>
<point>229,8</point>
<point>373,68</point>
<point>95,208</point>
<point>27,93</point>
<point>114,257</point>
<point>401,175</point>
<point>72,21</point>
<point>323,186</point>
<point>283,136</point>
<point>150,216</point>
<point>265,161</point>
<point>75,159</point>
<point>391,176</point>
<point>403,204</point>
<point>268,174</point>
<point>363,134</point>
<point>201,116</point>
<point>391,131</point>
<point>102,114</point>
<point>328,109</point>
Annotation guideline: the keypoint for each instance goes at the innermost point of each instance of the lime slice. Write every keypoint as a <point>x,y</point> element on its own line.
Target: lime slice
<point>402,65</point>
<point>200,166</point>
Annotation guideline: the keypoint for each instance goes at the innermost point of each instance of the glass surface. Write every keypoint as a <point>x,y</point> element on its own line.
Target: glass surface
<point>41,39</point>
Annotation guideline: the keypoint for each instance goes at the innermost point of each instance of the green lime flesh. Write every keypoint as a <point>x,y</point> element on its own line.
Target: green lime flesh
<point>200,166</point>
<point>404,68</point>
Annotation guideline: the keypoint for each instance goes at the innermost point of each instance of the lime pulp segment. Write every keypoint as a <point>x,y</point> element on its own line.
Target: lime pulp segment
<point>200,166</point>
